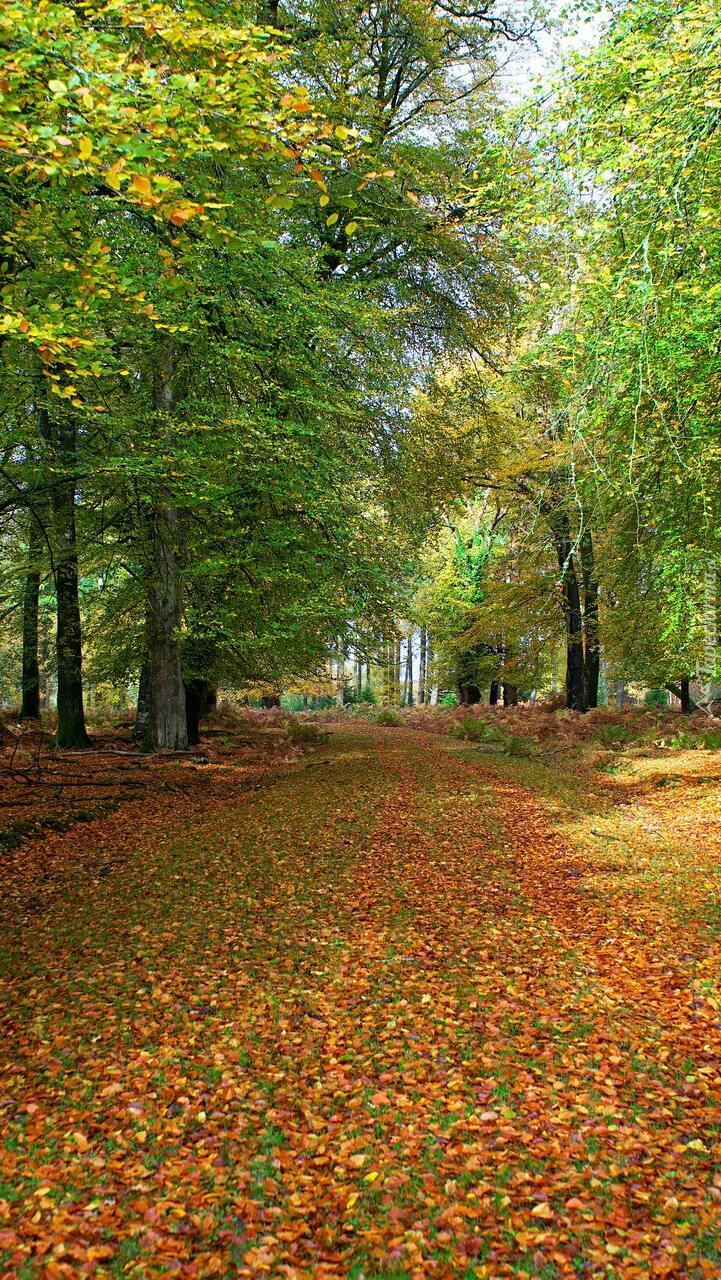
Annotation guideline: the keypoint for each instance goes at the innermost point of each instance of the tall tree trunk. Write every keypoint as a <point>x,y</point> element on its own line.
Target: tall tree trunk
<point>30,708</point>
<point>592,645</point>
<point>682,691</point>
<point>494,692</point>
<point>409,670</point>
<point>198,695</point>
<point>510,695</point>
<point>469,691</point>
<point>168,727</point>
<point>61,439</point>
<point>142,714</point>
<point>168,722</point>
<point>575,690</point>
<point>340,678</point>
<point>620,695</point>
<point>422,659</point>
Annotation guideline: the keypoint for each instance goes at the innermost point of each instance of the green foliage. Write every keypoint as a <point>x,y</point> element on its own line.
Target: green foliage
<point>387,717</point>
<point>611,735</point>
<point>227,288</point>
<point>474,729</point>
<point>696,739</point>
<point>656,698</point>
<point>516,745</point>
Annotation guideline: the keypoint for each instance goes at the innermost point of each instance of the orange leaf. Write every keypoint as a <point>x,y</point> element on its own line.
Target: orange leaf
<point>380,1099</point>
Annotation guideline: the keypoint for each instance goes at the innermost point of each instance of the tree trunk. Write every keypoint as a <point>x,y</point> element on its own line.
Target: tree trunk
<point>592,649</point>
<point>422,659</point>
<point>340,678</point>
<point>71,731</point>
<point>620,694</point>
<point>683,695</point>
<point>397,699</point>
<point>510,695</point>
<point>494,692</point>
<point>198,695</point>
<point>168,728</point>
<point>575,690</point>
<point>30,708</point>
<point>269,701</point>
<point>469,692</point>
<point>142,714</point>
<point>409,670</point>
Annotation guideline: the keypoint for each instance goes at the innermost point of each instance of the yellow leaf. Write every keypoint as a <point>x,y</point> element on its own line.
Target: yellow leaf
<point>112,176</point>
<point>85,148</point>
<point>141,184</point>
<point>351,227</point>
<point>544,1211</point>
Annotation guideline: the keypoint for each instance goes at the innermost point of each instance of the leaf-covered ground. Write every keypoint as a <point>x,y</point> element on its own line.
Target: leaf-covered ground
<point>388,1010</point>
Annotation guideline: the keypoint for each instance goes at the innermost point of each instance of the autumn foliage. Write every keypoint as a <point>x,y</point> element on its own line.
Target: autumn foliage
<point>387,1008</point>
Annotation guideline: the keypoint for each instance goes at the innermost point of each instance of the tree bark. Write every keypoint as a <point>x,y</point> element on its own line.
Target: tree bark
<point>397,697</point>
<point>340,678</point>
<point>61,439</point>
<point>30,707</point>
<point>575,684</point>
<point>409,670</point>
<point>683,694</point>
<point>168,728</point>
<point>493,694</point>
<point>422,661</point>
<point>142,714</point>
<point>510,695</point>
<point>469,693</point>
<point>198,697</point>
<point>591,627</point>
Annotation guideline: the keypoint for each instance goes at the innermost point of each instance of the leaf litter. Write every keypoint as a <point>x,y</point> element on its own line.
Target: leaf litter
<point>401,1016</point>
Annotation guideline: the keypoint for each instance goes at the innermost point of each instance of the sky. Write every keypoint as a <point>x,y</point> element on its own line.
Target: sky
<point>539,62</point>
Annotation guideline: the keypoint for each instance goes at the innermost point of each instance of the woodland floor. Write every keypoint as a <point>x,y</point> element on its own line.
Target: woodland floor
<point>386,1009</point>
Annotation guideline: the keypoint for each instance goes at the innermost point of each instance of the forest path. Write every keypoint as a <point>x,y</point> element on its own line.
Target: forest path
<point>376,1019</point>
